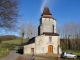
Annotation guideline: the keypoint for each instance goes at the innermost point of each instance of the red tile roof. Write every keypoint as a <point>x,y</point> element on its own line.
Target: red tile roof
<point>46,13</point>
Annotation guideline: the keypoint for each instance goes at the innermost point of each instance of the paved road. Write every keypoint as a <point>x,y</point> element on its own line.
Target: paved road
<point>12,56</point>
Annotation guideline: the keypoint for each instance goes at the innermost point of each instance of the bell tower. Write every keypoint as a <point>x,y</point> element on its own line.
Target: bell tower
<point>47,22</point>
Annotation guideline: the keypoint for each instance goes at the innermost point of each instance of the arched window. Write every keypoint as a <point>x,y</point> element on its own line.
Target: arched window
<point>50,39</point>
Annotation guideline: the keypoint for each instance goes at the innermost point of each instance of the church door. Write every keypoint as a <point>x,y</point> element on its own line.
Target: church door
<point>50,49</point>
<point>32,50</point>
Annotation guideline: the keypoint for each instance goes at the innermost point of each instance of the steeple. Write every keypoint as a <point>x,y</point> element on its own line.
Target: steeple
<point>47,23</point>
<point>46,13</point>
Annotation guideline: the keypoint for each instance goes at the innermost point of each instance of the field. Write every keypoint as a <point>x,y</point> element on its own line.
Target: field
<point>7,46</point>
<point>16,41</point>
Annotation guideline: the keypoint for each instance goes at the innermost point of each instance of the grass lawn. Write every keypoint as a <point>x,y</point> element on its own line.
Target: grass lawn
<point>16,41</point>
<point>7,46</point>
<point>12,42</point>
<point>4,52</point>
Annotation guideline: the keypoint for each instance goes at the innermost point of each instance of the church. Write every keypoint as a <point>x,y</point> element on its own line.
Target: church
<point>47,41</point>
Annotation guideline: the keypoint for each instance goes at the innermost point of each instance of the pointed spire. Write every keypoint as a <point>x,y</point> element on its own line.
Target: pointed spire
<point>46,11</point>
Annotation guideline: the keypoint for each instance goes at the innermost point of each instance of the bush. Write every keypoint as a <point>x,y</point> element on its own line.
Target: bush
<point>63,46</point>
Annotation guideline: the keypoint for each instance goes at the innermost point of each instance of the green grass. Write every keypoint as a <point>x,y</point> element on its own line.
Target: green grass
<point>7,46</point>
<point>16,41</point>
<point>4,52</point>
<point>12,41</point>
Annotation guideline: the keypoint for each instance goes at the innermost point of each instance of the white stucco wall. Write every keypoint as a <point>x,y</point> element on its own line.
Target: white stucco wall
<point>42,43</point>
<point>27,48</point>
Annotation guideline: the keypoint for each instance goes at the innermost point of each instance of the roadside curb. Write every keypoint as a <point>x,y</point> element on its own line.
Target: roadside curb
<point>10,52</point>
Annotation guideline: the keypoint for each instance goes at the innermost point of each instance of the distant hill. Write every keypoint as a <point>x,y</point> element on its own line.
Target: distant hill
<point>8,37</point>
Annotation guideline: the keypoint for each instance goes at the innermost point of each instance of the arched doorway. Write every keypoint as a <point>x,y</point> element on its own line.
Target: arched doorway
<point>50,49</point>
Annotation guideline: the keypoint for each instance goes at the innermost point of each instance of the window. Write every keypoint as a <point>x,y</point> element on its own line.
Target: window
<point>50,39</point>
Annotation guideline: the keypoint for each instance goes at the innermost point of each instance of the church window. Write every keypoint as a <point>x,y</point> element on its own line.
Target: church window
<point>53,28</point>
<point>50,39</point>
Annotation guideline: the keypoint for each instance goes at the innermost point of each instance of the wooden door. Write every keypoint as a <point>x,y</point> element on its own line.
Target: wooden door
<point>32,50</point>
<point>50,49</point>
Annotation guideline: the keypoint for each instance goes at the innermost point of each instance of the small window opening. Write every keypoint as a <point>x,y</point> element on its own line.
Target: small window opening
<point>50,39</point>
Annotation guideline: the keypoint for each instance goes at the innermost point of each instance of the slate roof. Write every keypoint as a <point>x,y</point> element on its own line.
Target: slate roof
<point>32,40</point>
<point>50,34</point>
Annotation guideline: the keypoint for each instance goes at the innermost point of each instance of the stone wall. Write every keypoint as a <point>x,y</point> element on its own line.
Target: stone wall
<point>27,48</point>
<point>47,25</point>
<point>42,43</point>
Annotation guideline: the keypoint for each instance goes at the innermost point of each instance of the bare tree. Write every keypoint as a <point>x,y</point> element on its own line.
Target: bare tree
<point>8,13</point>
<point>31,30</point>
<point>70,33</point>
<point>22,31</point>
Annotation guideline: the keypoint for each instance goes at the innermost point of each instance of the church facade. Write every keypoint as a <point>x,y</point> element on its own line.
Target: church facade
<point>47,41</point>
